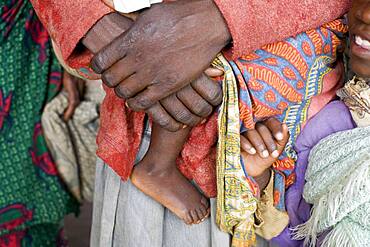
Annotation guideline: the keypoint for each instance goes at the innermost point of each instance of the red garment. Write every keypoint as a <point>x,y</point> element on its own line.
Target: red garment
<point>252,24</point>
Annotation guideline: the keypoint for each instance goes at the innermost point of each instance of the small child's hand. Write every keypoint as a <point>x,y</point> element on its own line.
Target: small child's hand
<point>73,86</point>
<point>268,140</point>
<point>262,139</point>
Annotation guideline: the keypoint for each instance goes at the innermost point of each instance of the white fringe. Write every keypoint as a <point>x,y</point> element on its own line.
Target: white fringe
<point>324,213</point>
<point>339,237</point>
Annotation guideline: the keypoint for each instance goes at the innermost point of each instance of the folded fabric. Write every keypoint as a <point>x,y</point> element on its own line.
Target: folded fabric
<point>356,95</point>
<point>338,186</point>
<point>73,144</point>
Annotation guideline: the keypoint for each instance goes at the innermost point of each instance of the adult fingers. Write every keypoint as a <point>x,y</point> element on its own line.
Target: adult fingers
<point>256,140</point>
<point>208,89</point>
<point>162,118</point>
<point>130,87</point>
<point>148,95</point>
<point>268,139</point>
<point>246,145</point>
<point>178,111</point>
<point>275,127</point>
<point>110,54</point>
<point>194,102</point>
<point>118,72</point>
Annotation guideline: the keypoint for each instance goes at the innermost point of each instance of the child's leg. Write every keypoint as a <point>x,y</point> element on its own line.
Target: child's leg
<point>158,177</point>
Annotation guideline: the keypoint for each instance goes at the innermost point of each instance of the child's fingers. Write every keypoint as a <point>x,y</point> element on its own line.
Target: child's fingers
<point>247,146</point>
<point>213,72</point>
<point>257,142</point>
<point>275,128</point>
<point>268,139</point>
<point>281,144</point>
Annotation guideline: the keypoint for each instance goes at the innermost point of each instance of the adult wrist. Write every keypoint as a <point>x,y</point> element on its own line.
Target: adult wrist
<point>105,30</point>
<point>224,34</point>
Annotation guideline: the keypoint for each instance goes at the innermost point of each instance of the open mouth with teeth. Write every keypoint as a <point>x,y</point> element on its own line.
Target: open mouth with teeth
<point>360,46</point>
<point>363,43</point>
<point>360,55</point>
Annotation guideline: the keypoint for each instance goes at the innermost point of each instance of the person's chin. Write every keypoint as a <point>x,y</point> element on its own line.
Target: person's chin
<point>360,67</point>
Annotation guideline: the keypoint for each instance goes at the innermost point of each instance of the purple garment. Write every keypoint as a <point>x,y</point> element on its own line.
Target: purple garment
<point>332,118</point>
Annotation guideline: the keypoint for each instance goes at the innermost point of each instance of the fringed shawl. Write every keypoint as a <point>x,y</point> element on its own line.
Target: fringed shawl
<point>338,186</point>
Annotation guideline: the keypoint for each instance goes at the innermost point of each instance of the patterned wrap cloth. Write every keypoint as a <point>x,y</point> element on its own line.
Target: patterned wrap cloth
<point>279,80</point>
<point>33,201</point>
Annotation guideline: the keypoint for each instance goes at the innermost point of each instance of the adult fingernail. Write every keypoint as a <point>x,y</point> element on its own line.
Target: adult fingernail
<point>184,126</point>
<point>275,154</point>
<point>279,136</point>
<point>204,120</point>
<point>126,104</point>
<point>252,151</point>
<point>265,154</point>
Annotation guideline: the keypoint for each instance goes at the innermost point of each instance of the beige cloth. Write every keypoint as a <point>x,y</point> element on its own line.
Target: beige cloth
<point>73,144</point>
<point>356,95</point>
<point>270,222</point>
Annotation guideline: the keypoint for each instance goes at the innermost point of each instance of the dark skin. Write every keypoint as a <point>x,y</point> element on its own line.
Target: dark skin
<point>188,106</point>
<point>146,63</point>
<point>359,25</point>
<point>74,89</point>
<point>158,177</point>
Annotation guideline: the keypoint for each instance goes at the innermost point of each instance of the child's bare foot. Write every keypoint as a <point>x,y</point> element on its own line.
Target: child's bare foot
<point>165,184</point>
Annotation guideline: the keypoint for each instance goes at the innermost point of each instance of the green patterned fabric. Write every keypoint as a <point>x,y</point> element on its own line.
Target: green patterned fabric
<point>33,200</point>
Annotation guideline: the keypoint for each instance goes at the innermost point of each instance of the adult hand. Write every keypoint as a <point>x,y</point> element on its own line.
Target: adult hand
<point>169,46</point>
<point>74,89</point>
<point>188,106</point>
